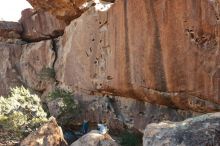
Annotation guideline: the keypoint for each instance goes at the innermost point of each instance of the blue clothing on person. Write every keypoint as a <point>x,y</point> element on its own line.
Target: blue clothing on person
<point>102,129</point>
<point>85,127</point>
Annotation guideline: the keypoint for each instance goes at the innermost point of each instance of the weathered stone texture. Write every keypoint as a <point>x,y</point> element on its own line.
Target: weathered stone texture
<point>40,25</point>
<point>93,138</point>
<point>50,134</point>
<point>10,30</point>
<point>9,67</point>
<point>37,65</point>
<point>163,52</point>
<point>66,10</point>
<point>202,130</point>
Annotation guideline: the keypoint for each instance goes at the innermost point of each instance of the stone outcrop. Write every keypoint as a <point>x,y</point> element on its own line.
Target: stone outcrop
<point>202,130</point>
<point>36,64</point>
<point>66,10</point>
<point>50,134</point>
<point>10,30</point>
<point>9,67</point>
<point>163,52</point>
<point>40,25</point>
<point>137,50</point>
<point>93,138</point>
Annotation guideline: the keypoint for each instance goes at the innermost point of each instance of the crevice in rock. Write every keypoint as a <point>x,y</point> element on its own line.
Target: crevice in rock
<point>44,37</point>
<point>55,49</point>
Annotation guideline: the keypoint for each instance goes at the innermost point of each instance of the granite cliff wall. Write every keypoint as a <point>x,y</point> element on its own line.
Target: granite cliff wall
<point>162,52</point>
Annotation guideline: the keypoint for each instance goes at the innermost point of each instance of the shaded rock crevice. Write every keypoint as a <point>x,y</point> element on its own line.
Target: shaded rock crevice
<point>55,49</point>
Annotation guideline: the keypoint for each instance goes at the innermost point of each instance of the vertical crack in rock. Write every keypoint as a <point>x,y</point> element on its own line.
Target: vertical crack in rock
<point>127,51</point>
<point>55,49</point>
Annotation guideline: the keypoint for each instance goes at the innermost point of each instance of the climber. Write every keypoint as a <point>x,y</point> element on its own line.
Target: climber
<point>102,129</point>
<point>85,127</point>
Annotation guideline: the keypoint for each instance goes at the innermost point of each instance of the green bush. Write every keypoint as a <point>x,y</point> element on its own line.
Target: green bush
<point>47,73</point>
<point>66,105</point>
<point>130,139</point>
<point>67,96</point>
<point>21,112</point>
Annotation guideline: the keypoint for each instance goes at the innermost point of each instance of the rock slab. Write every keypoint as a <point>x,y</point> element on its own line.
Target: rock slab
<point>201,131</point>
<point>10,29</point>
<point>40,25</point>
<point>36,64</point>
<point>93,138</point>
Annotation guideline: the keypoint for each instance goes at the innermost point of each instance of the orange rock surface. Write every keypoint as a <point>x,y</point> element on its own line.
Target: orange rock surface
<point>164,52</point>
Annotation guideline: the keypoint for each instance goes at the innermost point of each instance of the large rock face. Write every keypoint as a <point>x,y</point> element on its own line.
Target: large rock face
<point>40,25</point>
<point>36,63</point>
<point>163,52</point>
<point>203,131</point>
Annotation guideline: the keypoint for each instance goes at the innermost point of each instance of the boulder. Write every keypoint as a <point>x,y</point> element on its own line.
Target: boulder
<point>136,49</point>
<point>36,65</point>
<point>50,134</point>
<point>202,131</point>
<point>65,10</point>
<point>40,25</point>
<point>10,30</point>
<point>93,138</point>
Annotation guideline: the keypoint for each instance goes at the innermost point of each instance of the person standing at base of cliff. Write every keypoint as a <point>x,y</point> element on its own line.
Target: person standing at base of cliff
<point>85,127</point>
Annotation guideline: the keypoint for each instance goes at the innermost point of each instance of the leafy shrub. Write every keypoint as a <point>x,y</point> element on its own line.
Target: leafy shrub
<point>47,73</point>
<point>62,105</point>
<point>21,112</point>
<point>130,139</point>
<point>69,104</point>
